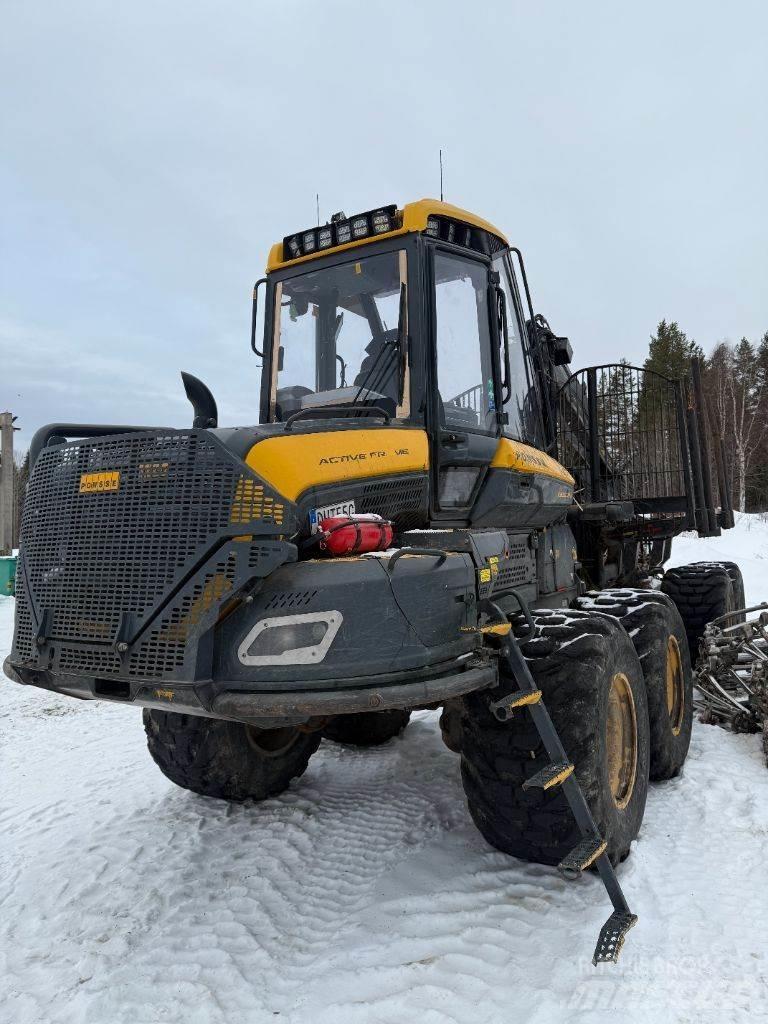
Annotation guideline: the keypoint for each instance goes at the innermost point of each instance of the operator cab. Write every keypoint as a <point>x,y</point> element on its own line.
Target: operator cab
<point>413,316</point>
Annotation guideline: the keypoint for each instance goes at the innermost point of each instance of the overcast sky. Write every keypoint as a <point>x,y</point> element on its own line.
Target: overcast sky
<point>152,152</point>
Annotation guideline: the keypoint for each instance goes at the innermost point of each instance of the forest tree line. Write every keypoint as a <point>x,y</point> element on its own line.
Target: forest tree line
<point>735,381</point>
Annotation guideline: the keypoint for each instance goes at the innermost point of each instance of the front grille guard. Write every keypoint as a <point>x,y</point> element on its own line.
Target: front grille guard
<point>129,582</point>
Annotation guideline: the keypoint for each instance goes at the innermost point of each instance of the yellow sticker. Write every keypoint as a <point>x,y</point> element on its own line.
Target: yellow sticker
<point>358,268</point>
<point>485,575</point>
<point>100,483</point>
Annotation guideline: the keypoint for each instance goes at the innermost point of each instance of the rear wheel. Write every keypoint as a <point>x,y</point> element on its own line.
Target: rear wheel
<point>658,636</point>
<point>227,760</point>
<point>368,728</point>
<point>703,591</point>
<point>592,684</point>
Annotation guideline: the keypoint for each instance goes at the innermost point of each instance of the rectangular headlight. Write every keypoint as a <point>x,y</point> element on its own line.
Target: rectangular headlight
<point>343,232</point>
<point>381,222</point>
<point>433,227</point>
<point>294,249</point>
<point>359,227</point>
<point>325,237</point>
<point>309,241</point>
<point>290,639</point>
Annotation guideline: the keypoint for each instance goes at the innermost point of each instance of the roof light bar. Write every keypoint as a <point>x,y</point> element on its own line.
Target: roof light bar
<point>341,231</point>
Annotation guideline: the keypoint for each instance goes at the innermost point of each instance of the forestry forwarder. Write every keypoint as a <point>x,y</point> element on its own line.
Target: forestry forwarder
<point>231,580</point>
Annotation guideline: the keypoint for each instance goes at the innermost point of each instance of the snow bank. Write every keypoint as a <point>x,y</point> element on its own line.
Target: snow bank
<point>362,895</point>
<point>746,543</point>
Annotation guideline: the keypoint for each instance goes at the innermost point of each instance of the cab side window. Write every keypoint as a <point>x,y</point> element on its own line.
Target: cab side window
<point>521,403</point>
<point>464,364</point>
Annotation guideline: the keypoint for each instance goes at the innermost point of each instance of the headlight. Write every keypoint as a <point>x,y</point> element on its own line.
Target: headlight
<point>290,639</point>
<point>382,222</point>
<point>343,232</point>
<point>359,227</point>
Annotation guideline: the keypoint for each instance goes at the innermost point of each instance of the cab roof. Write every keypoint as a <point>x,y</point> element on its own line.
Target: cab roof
<point>412,218</point>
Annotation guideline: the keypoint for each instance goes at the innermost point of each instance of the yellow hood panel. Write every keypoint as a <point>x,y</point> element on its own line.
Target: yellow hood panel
<point>294,463</point>
<point>522,457</point>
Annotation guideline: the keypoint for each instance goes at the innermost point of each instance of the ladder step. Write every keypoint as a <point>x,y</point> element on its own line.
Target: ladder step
<point>611,937</point>
<point>550,776</point>
<point>503,708</point>
<point>581,856</point>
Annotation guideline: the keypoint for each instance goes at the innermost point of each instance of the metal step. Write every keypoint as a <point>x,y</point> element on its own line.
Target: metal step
<point>581,856</point>
<point>592,848</point>
<point>503,708</point>
<point>612,935</point>
<point>552,775</point>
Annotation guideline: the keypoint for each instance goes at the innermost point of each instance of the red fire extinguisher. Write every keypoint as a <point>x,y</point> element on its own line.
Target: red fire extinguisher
<point>354,534</point>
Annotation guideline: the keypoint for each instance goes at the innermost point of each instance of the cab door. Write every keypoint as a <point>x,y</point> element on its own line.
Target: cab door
<point>465,399</point>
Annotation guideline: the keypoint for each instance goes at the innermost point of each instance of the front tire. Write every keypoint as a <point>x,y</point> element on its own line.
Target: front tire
<point>658,636</point>
<point>592,685</point>
<point>367,728</point>
<point>226,760</point>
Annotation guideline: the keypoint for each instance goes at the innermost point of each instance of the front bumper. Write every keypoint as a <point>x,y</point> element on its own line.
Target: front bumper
<point>405,638</point>
<point>270,709</point>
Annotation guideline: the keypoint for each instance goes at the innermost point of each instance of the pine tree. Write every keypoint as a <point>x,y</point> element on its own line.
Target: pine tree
<point>736,379</point>
<point>670,351</point>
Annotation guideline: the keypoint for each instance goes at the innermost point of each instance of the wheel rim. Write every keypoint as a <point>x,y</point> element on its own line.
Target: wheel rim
<point>271,742</point>
<point>675,686</point>
<point>621,740</point>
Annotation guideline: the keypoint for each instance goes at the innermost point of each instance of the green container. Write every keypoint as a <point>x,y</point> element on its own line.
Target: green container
<point>8,575</point>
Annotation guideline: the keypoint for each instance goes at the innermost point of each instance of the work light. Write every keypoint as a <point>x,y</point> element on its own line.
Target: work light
<point>343,232</point>
<point>381,222</point>
<point>309,241</point>
<point>433,227</point>
<point>359,226</point>
<point>325,237</point>
<point>293,247</point>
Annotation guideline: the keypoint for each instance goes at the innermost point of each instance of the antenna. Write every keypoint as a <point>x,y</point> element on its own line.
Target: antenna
<point>317,203</point>
<point>441,175</point>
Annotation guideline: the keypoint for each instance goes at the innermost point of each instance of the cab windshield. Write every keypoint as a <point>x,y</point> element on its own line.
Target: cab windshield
<point>340,337</point>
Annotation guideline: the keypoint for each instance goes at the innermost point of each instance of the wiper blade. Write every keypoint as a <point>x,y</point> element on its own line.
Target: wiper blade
<point>382,369</point>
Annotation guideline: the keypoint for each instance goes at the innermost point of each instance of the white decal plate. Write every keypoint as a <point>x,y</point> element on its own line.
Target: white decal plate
<point>316,515</point>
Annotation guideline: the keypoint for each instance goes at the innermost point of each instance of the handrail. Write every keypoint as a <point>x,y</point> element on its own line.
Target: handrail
<point>326,412</point>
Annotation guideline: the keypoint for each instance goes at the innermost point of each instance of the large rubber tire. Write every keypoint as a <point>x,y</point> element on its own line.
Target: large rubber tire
<point>368,728</point>
<point>226,760</point>
<point>658,636</point>
<point>574,657</point>
<point>702,591</point>
<point>739,598</point>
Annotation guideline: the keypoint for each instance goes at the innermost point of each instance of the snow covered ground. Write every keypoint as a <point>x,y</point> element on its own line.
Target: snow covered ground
<point>364,894</point>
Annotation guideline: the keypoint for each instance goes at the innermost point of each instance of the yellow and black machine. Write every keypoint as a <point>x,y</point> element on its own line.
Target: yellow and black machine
<point>431,512</point>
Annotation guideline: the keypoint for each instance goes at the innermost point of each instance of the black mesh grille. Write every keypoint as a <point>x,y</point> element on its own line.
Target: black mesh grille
<point>24,637</point>
<point>112,526</point>
<point>519,568</point>
<point>290,599</point>
<point>90,557</point>
<point>404,501</point>
<point>163,651</point>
